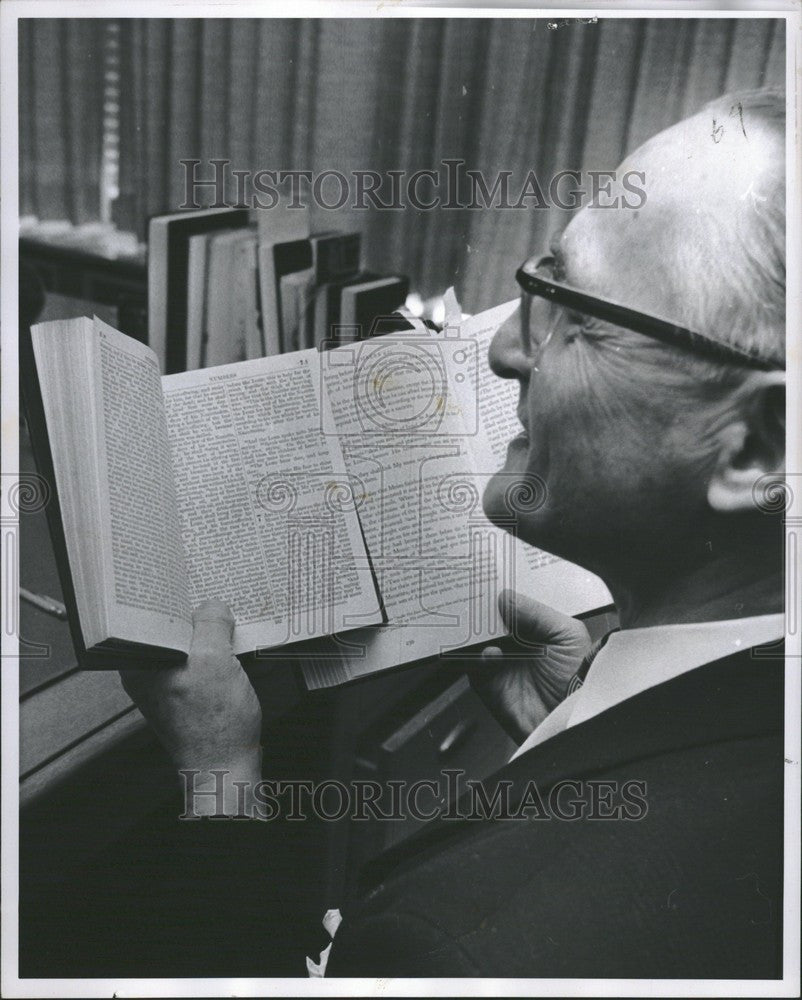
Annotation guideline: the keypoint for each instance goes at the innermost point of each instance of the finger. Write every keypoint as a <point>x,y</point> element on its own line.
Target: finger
<point>480,668</point>
<point>491,657</point>
<point>130,680</point>
<point>532,621</point>
<point>480,671</point>
<point>487,679</point>
<point>133,678</point>
<point>146,687</point>
<point>492,654</point>
<point>213,628</point>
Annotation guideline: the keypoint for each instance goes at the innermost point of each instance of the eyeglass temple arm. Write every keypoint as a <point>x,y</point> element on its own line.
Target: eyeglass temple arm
<point>653,326</point>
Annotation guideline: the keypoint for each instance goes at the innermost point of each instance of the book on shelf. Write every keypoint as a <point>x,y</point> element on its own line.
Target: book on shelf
<point>197,270</point>
<point>363,303</point>
<point>276,262</point>
<point>246,298</point>
<point>295,292</point>
<point>229,289</point>
<point>292,265</point>
<point>325,308</point>
<point>329,498</point>
<point>335,260</point>
<point>226,335</point>
<point>335,255</point>
<point>223,322</point>
<point>168,278</point>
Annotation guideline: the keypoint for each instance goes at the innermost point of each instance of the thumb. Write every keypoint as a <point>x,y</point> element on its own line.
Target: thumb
<point>531,622</point>
<point>212,628</point>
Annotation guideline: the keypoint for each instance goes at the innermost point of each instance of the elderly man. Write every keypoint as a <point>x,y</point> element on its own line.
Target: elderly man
<point>649,348</point>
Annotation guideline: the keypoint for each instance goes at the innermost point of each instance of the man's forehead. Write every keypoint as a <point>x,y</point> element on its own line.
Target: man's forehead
<point>585,248</point>
<point>696,181</point>
<point>709,162</point>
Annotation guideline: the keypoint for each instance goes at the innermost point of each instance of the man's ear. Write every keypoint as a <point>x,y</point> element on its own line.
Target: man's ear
<point>751,444</point>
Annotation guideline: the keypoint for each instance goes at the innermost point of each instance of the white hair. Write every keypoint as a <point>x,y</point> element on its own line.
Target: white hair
<point>741,297</point>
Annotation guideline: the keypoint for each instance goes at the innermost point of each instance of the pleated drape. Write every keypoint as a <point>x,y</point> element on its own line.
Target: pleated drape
<point>334,94</point>
<point>60,121</point>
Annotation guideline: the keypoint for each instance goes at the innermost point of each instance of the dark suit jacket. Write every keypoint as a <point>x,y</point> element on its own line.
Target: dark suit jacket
<point>692,889</point>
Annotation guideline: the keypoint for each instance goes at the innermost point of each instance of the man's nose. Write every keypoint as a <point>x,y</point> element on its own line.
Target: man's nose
<point>506,356</point>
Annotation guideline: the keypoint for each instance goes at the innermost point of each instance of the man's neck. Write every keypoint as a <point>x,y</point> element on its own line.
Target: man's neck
<point>717,590</point>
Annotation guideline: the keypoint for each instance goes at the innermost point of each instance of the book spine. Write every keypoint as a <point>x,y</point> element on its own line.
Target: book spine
<point>271,318</point>
<point>250,291</point>
<point>158,235</point>
<point>196,301</point>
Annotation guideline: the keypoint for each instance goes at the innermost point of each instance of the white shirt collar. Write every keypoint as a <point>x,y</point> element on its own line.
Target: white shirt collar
<point>633,660</point>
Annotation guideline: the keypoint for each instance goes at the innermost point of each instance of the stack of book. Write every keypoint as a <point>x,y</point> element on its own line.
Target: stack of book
<point>224,288</point>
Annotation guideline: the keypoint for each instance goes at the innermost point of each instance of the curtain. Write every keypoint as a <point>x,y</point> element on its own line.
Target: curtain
<point>61,118</point>
<point>404,95</point>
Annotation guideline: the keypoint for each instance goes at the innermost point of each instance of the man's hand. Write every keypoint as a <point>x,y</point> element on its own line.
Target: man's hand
<point>519,686</point>
<point>205,712</point>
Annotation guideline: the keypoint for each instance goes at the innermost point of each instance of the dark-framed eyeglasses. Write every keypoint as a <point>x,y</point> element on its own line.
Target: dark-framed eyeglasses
<point>536,278</point>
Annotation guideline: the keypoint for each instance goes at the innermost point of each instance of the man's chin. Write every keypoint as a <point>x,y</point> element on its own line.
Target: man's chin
<point>514,493</point>
<point>493,500</point>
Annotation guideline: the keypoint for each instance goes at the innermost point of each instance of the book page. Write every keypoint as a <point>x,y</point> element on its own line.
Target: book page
<point>424,424</point>
<point>143,555</point>
<point>409,456</point>
<point>267,517</point>
<point>63,352</point>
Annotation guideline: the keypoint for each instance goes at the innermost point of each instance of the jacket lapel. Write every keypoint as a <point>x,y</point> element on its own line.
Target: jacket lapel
<point>738,697</point>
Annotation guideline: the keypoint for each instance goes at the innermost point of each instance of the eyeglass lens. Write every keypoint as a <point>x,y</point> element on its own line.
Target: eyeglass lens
<point>537,324</point>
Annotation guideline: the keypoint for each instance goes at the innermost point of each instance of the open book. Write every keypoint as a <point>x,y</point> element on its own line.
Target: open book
<point>332,498</point>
